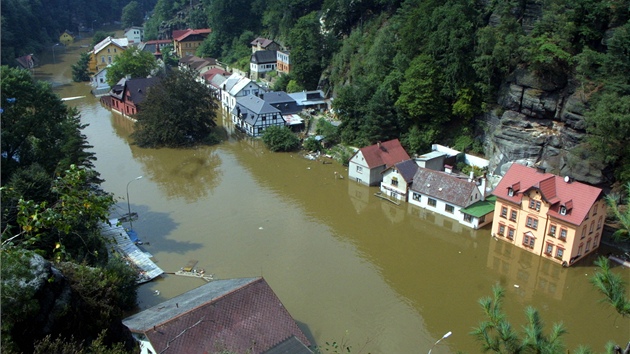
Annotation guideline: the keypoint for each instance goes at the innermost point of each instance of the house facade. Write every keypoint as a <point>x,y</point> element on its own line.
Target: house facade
<point>398,178</point>
<point>366,166</point>
<point>237,86</point>
<point>134,35</point>
<point>452,195</point>
<point>66,38</point>
<point>283,58</point>
<point>262,62</point>
<point>241,315</point>
<point>99,83</point>
<point>186,42</point>
<point>127,95</point>
<point>556,218</point>
<point>253,115</point>
<point>105,52</point>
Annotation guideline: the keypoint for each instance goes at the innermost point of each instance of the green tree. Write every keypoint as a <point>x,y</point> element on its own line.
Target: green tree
<point>80,70</point>
<point>328,130</point>
<point>611,286</point>
<point>280,138</point>
<point>37,127</point>
<point>132,15</point>
<point>307,50</point>
<point>621,213</point>
<point>132,62</point>
<point>179,111</point>
<point>294,86</point>
<point>496,334</point>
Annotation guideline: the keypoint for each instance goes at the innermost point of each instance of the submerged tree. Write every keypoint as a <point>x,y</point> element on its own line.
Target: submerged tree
<point>611,286</point>
<point>179,111</point>
<point>80,70</point>
<point>134,63</point>
<point>622,215</point>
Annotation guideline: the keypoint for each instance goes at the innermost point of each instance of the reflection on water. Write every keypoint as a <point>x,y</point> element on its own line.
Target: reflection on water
<point>391,279</point>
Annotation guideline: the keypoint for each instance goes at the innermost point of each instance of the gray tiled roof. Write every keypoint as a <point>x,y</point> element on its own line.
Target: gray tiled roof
<point>443,186</point>
<point>264,57</point>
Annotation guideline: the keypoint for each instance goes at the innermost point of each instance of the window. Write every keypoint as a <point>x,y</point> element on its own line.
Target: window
<point>563,234</point>
<point>432,202</point>
<point>416,196</point>
<point>395,181</point>
<point>534,204</point>
<point>583,232</point>
<point>510,192</point>
<point>108,50</point>
<point>552,230</point>
<point>449,208</point>
<point>599,223</point>
<point>532,223</point>
<point>467,218</point>
<point>529,241</point>
<point>513,215</point>
<point>359,169</point>
<point>580,249</point>
<point>549,249</point>
<point>588,245</point>
<point>559,253</point>
<point>501,231</point>
<point>595,241</point>
<point>504,212</point>
<point>109,59</point>
<point>590,229</point>
<point>563,210</point>
<point>103,59</point>
<point>510,233</point>
<point>482,219</point>
<point>595,209</point>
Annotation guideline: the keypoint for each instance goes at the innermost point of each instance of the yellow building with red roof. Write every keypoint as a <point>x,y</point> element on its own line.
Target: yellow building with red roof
<point>186,42</point>
<point>554,217</point>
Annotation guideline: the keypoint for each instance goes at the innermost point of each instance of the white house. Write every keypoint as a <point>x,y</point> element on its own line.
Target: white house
<point>262,62</point>
<point>134,35</point>
<point>368,163</point>
<point>398,178</point>
<point>99,83</point>
<point>237,86</point>
<point>459,198</point>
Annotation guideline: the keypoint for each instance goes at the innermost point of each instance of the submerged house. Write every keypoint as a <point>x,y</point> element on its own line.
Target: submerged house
<point>366,166</point>
<point>233,315</point>
<point>253,115</point>
<point>397,179</point>
<point>459,198</point>
<point>556,218</point>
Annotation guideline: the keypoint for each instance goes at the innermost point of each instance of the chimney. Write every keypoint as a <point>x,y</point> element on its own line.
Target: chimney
<point>471,177</point>
<point>448,168</point>
<point>482,187</point>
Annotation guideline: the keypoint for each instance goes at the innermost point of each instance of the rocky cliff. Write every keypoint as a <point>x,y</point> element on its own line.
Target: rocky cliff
<point>540,122</point>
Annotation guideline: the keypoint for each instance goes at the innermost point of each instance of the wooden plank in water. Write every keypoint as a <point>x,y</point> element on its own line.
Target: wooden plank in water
<point>190,266</point>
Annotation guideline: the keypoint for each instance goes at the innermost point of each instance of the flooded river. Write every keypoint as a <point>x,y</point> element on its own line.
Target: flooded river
<point>347,265</point>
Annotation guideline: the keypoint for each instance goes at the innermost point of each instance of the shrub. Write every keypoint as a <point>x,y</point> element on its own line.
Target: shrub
<point>278,138</point>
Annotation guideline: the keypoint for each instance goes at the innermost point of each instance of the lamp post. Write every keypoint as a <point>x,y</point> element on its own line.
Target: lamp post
<point>128,204</point>
<point>446,335</point>
<point>53,48</point>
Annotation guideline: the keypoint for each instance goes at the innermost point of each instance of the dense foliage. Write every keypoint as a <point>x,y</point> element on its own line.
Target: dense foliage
<point>132,63</point>
<point>179,111</point>
<point>81,70</point>
<point>52,212</point>
<point>280,138</point>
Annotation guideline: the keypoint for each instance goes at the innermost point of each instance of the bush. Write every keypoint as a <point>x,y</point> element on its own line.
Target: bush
<point>311,144</point>
<point>278,138</point>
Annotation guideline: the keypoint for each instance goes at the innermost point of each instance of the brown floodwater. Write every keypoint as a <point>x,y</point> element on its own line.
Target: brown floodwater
<point>347,265</point>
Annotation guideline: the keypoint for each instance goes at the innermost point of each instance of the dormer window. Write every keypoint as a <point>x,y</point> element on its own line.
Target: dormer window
<point>563,210</point>
<point>510,192</point>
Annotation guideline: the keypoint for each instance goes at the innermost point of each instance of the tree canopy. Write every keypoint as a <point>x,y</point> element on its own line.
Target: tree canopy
<point>133,62</point>
<point>177,112</point>
<point>132,15</point>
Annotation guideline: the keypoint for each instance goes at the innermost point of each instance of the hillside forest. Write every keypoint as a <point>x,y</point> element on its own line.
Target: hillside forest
<point>423,71</point>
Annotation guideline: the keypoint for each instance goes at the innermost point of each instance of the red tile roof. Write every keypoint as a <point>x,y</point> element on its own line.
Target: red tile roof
<point>576,197</point>
<point>387,153</point>
<point>239,315</point>
<point>208,75</point>
<point>180,35</point>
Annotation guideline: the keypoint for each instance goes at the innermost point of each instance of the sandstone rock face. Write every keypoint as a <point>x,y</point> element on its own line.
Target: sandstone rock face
<point>540,122</point>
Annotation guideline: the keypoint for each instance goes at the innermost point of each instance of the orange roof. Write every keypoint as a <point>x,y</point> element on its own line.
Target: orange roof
<point>387,153</point>
<point>576,197</point>
<point>180,35</point>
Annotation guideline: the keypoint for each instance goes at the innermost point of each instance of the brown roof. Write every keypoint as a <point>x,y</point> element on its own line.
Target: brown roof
<point>239,315</point>
<point>263,42</point>
<point>443,186</point>
<point>208,75</point>
<point>576,197</point>
<point>387,153</point>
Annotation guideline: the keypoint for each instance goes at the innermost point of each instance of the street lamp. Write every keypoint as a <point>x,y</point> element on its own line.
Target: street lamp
<point>128,204</point>
<point>446,335</point>
<point>53,48</point>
